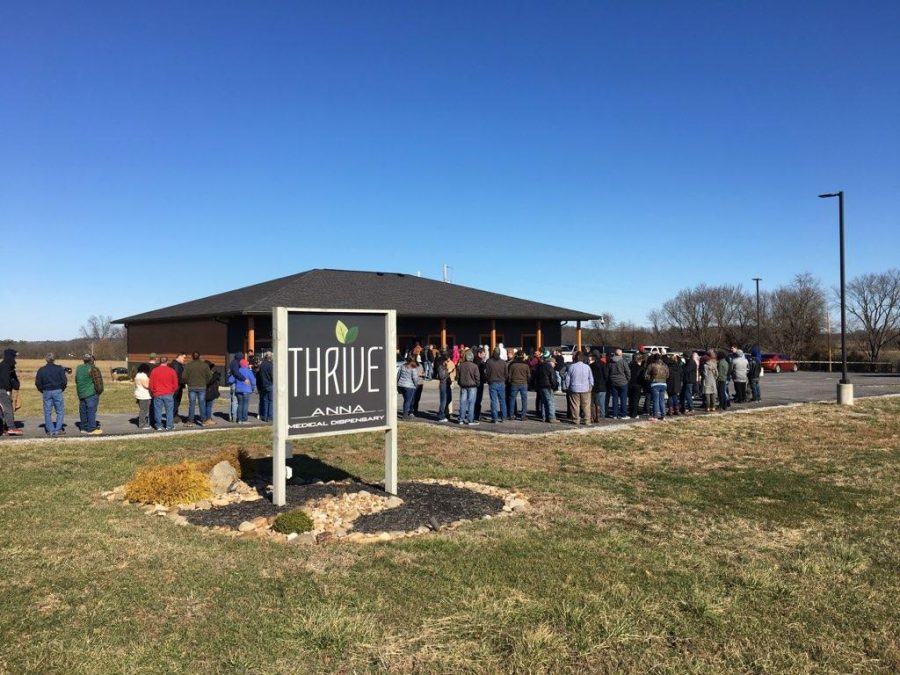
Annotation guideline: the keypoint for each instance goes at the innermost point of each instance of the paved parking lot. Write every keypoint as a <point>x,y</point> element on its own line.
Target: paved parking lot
<point>776,389</point>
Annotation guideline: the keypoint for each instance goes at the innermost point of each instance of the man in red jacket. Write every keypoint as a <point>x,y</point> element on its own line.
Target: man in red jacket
<point>163,385</point>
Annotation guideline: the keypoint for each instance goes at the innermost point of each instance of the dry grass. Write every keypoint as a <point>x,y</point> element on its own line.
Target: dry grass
<point>738,543</point>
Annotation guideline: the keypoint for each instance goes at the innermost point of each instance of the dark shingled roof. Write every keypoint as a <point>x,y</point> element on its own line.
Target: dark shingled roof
<point>345,289</point>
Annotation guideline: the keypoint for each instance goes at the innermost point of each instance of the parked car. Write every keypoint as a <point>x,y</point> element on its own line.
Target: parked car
<point>775,363</point>
<point>653,349</point>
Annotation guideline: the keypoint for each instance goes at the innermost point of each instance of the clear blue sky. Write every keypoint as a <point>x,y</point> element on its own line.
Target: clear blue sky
<point>597,155</point>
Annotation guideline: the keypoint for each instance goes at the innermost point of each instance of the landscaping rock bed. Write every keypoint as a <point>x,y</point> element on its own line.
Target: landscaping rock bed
<point>345,510</point>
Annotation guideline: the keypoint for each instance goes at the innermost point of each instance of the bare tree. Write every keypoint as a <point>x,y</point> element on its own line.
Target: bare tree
<point>99,327</point>
<point>657,322</point>
<point>874,302</point>
<point>706,316</point>
<point>106,340</point>
<point>797,315</point>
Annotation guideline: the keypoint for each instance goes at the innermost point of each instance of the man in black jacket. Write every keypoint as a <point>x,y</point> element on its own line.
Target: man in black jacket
<point>598,394</point>
<point>51,381</point>
<point>753,372</point>
<point>545,383</point>
<point>9,382</point>
<point>178,366</point>
<point>265,384</point>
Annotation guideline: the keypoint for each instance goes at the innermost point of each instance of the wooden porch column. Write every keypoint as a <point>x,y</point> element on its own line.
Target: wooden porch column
<point>539,337</point>
<point>443,333</point>
<point>251,334</point>
<point>493,334</point>
<point>578,335</point>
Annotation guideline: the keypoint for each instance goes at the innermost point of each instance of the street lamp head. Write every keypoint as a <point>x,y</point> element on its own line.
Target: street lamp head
<point>829,194</point>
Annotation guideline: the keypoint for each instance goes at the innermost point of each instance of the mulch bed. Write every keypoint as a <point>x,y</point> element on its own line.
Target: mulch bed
<point>424,504</point>
<point>429,504</point>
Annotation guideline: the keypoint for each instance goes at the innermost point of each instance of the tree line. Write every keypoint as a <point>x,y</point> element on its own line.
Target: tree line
<point>98,336</point>
<point>795,318</point>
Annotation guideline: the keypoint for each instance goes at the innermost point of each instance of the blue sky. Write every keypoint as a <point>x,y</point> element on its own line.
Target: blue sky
<point>597,155</point>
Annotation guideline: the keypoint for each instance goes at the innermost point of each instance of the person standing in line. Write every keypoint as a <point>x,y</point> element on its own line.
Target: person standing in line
<point>754,367</point>
<point>243,388</point>
<point>142,395</point>
<point>89,386</point>
<point>635,385</point>
<point>442,367</point>
<point>545,384</point>
<point>212,392</point>
<point>657,375</point>
<point>600,371</point>
<point>619,377</point>
<point>420,369</point>
<point>178,366</point>
<point>519,374</point>
<point>690,375</point>
<point>579,383</point>
<point>496,371</point>
<point>407,382</point>
<point>481,362</point>
<point>428,361</point>
<point>265,383</point>
<point>724,370</point>
<point>739,374</point>
<point>710,381</point>
<point>163,385</point>
<point>196,376</point>
<point>51,381</point>
<point>468,377</point>
<point>234,374</point>
<point>9,384</point>
<point>674,385</point>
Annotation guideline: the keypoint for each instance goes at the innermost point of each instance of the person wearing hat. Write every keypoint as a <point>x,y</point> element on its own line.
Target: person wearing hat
<point>89,386</point>
<point>9,382</point>
<point>51,381</point>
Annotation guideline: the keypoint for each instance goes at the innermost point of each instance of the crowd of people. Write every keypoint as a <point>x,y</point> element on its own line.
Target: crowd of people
<point>160,383</point>
<point>597,385</point>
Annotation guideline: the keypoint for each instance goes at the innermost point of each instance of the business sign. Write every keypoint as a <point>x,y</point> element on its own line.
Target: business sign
<point>337,372</point>
<point>334,374</point>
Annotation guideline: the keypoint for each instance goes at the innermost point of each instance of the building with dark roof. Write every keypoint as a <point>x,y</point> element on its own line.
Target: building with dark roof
<point>428,311</point>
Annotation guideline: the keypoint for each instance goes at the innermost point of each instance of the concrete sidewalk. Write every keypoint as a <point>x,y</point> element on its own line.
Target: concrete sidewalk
<point>777,390</point>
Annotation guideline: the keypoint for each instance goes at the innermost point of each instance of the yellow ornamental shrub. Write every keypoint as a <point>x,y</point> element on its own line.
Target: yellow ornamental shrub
<point>169,484</point>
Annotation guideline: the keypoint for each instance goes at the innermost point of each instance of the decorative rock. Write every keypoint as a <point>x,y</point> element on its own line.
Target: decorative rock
<point>340,532</point>
<point>260,521</point>
<point>517,504</point>
<point>203,505</point>
<point>383,536</point>
<point>246,526</point>
<point>306,538</point>
<point>291,536</point>
<point>219,501</point>
<point>393,502</point>
<point>323,537</point>
<point>221,477</point>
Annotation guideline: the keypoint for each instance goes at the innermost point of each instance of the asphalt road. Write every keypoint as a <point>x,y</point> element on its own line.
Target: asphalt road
<point>780,389</point>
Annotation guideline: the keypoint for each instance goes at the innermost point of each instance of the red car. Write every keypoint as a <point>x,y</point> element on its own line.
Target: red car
<point>775,363</point>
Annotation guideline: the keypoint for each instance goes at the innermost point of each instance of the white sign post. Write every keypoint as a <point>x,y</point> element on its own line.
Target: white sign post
<point>334,374</point>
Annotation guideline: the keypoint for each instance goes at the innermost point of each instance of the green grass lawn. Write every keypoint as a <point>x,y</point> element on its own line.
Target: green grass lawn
<point>765,542</point>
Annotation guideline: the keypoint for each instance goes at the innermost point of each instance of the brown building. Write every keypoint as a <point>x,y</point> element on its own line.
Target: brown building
<point>428,311</point>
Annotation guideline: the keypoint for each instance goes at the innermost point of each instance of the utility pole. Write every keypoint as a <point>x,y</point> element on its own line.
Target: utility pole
<point>758,344</point>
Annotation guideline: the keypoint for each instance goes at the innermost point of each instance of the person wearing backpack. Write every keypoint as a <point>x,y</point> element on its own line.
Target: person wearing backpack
<point>89,386</point>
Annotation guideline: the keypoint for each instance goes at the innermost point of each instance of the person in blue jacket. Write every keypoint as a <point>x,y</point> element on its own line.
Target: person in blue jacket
<point>244,385</point>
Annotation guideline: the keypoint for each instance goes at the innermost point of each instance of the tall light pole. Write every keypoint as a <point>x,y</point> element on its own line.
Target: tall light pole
<point>845,388</point>
<point>758,343</point>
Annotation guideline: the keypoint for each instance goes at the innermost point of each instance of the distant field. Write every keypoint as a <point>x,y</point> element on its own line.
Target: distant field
<point>117,396</point>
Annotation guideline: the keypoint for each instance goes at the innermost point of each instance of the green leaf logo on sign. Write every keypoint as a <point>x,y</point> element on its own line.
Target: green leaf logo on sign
<point>344,335</point>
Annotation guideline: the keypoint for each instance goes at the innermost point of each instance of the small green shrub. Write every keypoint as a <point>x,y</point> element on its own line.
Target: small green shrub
<point>169,484</point>
<point>292,521</point>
